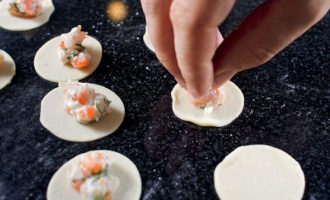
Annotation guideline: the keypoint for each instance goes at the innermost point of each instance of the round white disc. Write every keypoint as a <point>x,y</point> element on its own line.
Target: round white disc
<point>55,119</point>
<point>259,172</point>
<point>221,116</point>
<point>13,23</point>
<point>7,69</point>
<point>122,167</point>
<point>147,41</point>
<point>49,66</point>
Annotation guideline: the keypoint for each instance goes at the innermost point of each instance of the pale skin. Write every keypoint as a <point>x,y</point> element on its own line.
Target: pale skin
<point>188,43</point>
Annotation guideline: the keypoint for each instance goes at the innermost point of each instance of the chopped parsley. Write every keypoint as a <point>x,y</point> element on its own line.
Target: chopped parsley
<point>80,48</point>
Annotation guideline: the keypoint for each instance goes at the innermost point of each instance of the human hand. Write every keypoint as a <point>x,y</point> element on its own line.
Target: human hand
<point>185,36</point>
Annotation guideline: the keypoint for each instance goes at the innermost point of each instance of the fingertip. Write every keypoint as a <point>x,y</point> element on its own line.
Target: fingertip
<point>199,90</point>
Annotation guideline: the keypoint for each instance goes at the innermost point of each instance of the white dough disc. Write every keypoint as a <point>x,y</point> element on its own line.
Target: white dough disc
<point>147,41</point>
<point>13,23</point>
<point>259,172</point>
<point>55,119</point>
<point>221,116</point>
<point>122,167</point>
<point>7,69</point>
<point>49,66</point>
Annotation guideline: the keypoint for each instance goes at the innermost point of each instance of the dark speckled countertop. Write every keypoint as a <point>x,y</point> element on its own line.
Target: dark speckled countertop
<point>286,106</point>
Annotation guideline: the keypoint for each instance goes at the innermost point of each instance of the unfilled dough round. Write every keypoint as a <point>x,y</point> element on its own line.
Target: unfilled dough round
<point>13,23</point>
<point>49,66</point>
<point>54,118</point>
<point>221,116</point>
<point>7,69</point>
<point>147,41</point>
<point>122,167</point>
<point>259,172</point>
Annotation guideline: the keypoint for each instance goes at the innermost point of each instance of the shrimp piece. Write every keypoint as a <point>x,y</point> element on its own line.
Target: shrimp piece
<point>71,48</point>
<point>81,61</point>
<point>91,164</point>
<point>25,8</point>
<point>86,113</point>
<point>74,37</point>
<point>62,45</point>
<point>76,184</point>
<point>81,97</point>
<point>213,98</point>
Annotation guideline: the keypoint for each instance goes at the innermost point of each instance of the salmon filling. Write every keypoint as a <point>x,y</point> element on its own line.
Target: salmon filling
<point>91,177</point>
<point>25,8</point>
<point>213,99</point>
<point>83,103</point>
<point>71,51</point>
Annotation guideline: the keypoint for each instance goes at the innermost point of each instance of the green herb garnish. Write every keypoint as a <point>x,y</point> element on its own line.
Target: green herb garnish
<point>98,197</point>
<point>73,54</point>
<point>101,173</point>
<point>80,48</point>
<point>15,5</point>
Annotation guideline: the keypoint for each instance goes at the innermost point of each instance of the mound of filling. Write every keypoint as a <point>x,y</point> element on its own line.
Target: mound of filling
<point>83,103</point>
<point>25,8</point>
<point>71,51</point>
<point>213,99</point>
<point>91,177</point>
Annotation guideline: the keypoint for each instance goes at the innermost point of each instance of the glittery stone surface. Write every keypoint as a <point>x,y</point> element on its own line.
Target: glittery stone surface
<point>286,106</point>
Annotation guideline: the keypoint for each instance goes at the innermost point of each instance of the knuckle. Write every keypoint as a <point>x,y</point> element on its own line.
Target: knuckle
<point>181,15</point>
<point>261,54</point>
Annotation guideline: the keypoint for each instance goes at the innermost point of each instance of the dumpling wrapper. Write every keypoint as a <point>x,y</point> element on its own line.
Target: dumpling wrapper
<point>13,23</point>
<point>147,41</point>
<point>7,69</point>
<point>220,116</point>
<point>259,172</point>
<point>122,167</point>
<point>60,123</point>
<point>48,65</point>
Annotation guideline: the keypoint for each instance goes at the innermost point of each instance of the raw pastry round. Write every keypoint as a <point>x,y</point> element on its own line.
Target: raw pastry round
<point>54,118</point>
<point>147,41</point>
<point>12,23</point>
<point>49,66</point>
<point>122,167</point>
<point>221,116</point>
<point>259,172</point>
<point>7,69</point>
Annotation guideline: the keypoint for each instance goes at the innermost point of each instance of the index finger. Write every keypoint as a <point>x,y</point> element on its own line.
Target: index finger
<point>161,34</point>
<point>196,38</point>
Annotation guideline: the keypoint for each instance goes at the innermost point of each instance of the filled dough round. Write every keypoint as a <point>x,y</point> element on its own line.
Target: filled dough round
<point>122,167</point>
<point>7,69</point>
<point>221,116</point>
<point>13,23</point>
<point>54,118</point>
<point>259,172</point>
<point>147,41</point>
<point>49,66</point>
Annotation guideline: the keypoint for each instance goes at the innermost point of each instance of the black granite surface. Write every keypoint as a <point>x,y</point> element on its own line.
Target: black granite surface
<point>286,106</point>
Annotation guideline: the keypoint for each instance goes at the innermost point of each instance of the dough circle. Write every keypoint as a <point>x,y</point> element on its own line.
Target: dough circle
<point>147,41</point>
<point>54,118</point>
<point>221,116</point>
<point>13,23</point>
<point>122,167</point>
<point>7,69</point>
<point>259,172</point>
<point>49,66</point>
